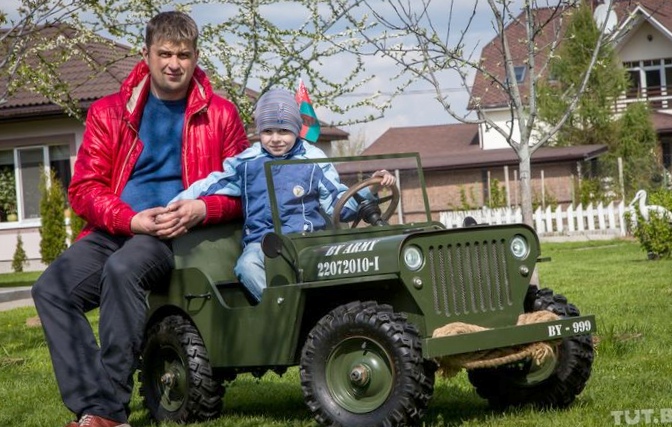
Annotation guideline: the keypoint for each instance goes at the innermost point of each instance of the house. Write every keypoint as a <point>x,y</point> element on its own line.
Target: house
<point>459,172</point>
<point>35,131</point>
<point>462,161</point>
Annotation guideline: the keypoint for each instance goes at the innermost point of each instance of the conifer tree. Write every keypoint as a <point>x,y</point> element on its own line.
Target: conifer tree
<point>77,223</point>
<point>53,232</point>
<point>20,258</point>
<point>629,136</point>
<point>593,121</point>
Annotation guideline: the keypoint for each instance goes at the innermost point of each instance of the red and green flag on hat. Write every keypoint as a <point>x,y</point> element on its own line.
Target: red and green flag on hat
<point>310,130</point>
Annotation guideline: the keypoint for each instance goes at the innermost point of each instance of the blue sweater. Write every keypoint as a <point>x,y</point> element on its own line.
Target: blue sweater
<point>157,176</point>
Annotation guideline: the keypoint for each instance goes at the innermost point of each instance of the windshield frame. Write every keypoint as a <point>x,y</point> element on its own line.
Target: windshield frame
<point>347,165</point>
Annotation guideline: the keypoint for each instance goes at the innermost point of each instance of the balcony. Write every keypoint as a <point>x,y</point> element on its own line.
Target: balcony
<point>658,98</point>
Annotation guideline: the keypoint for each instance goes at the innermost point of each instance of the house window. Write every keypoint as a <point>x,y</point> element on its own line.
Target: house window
<point>519,71</point>
<point>20,173</point>
<point>651,79</point>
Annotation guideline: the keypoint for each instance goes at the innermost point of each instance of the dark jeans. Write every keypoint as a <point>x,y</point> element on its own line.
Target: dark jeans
<point>112,273</point>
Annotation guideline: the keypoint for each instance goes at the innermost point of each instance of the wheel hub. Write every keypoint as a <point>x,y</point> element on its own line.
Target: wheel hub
<point>539,373</point>
<point>360,376</point>
<point>172,387</point>
<point>169,379</point>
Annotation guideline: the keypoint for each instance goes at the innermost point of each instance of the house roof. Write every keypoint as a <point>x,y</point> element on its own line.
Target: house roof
<point>86,85</point>
<point>486,91</point>
<point>658,13</point>
<point>89,78</point>
<point>455,146</point>
<point>488,94</point>
<point>662,122</point>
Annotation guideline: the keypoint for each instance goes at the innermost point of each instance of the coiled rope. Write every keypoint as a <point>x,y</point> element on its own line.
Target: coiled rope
<point>449,366</point>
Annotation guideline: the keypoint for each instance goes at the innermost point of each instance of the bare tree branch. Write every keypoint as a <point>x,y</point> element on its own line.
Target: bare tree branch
<point>413,39</point>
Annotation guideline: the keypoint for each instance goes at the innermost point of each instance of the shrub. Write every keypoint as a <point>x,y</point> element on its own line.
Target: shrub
<point>77,223</point>
<point>53,232</point>
<point>497,197</point>
<point>464,199</point>
<point>655,235</point>
<point>20,258</point>
<point>548,200</point>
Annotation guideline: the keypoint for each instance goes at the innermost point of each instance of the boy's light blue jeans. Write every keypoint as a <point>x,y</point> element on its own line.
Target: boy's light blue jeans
<point>250,269</point>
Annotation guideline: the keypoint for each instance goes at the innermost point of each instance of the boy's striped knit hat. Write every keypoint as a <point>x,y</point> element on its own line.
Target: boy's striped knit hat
<point>277,109</point>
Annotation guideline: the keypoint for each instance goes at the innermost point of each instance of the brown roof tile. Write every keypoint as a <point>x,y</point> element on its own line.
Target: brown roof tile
<point>662,122</point>
<point>89,77</point>
<point>455,146</point>
<point>492,96</point>
<point>427,139</point>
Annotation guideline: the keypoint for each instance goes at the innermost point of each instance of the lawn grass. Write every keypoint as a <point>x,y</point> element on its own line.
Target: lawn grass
<point>10,280</point>
<point>629,295</point>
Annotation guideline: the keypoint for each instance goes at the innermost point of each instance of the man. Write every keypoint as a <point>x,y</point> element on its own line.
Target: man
<point>162,131</point>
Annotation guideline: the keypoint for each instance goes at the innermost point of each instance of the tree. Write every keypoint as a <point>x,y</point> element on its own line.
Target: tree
<point>53,232</point>
<point>422,45</point>
<point>630,137</point>
<point>636,146</point>
<point>351,147</point>
<point>20,258</point>
<point>246,48</point>
<point>77,224</point>
<point>593,121</point>
<point>30,57</point>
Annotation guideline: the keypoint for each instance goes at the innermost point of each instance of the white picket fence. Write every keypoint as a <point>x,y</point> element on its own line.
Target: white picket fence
<point>590,222</point>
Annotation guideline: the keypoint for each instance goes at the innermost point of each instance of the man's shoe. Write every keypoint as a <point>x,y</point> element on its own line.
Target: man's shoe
<point>96,421</point>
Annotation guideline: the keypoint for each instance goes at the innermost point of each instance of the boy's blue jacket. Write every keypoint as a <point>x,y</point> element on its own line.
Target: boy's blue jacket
<point>301,189</point>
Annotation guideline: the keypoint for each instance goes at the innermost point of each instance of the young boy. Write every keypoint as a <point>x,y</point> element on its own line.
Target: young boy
<point>302,190</point>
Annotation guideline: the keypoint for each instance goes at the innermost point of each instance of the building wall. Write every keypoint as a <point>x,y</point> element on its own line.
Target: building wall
<point>447,190</point>
<point>30,236</point>
<point>638,46</point>
<point>35,133</point>
<point>491,139</point>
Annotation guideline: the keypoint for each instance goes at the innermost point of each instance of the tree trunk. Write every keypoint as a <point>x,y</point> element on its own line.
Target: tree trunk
<point>525,184</point>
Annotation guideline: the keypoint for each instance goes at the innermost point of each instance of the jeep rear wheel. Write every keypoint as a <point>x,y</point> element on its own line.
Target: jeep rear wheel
<point>555,383</point>
<point>177,381</point>
<point>362,366</point>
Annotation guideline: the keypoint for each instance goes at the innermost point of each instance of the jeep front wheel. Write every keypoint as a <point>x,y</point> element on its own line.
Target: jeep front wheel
<point>362,366</point>
<point>177,381</point>
<point>556,382</point>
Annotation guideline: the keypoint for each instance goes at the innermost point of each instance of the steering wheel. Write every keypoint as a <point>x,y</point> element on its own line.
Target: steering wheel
<point>369,210</point>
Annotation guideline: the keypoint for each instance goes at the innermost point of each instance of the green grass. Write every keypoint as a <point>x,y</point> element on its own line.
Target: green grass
<point>10,280</point>
<point>630,296</point>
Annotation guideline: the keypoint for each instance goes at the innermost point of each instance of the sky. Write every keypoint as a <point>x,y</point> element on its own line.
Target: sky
<point>417,106</point>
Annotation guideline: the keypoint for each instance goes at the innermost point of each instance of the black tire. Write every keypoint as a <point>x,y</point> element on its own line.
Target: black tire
<point>176,379</point>
<point>557,382</point>
<point>362,366</point>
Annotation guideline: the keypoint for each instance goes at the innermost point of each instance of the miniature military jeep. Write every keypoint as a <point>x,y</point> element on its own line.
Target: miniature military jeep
<point>357,307</point>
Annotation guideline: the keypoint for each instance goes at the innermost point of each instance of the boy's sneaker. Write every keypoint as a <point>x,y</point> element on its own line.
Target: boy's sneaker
<point>96,421</point>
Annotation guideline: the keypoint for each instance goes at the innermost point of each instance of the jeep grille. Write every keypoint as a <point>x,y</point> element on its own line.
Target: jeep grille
<point>469,277</point>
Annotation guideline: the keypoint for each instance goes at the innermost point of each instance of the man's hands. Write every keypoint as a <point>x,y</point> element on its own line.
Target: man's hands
<point>171,221</point>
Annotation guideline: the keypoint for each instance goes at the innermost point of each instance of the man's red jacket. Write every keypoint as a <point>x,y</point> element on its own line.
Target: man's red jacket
<point>110,148</point>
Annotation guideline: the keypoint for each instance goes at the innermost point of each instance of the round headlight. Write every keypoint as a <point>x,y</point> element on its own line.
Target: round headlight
<point>519,247</point>
<point>413,258</point>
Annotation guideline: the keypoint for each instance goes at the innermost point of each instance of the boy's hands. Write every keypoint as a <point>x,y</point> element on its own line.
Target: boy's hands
<point>388,179</point>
